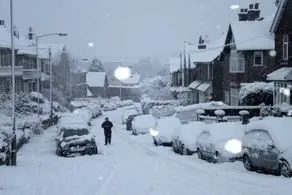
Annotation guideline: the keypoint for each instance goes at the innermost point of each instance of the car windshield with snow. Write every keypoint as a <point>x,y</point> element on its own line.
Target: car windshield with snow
<point>267,146</point>
<point>185,142</point>
<point>75,139</point>
<point>220,142</point>
<point>164,131</point>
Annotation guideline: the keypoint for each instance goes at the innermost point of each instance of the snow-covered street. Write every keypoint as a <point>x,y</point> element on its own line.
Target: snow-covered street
<point>132,165</point>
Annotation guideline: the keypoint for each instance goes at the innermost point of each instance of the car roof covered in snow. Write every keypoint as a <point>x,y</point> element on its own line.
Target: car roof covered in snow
<point>76,126</point>
<point>278,128</point>
<point>227,130</point>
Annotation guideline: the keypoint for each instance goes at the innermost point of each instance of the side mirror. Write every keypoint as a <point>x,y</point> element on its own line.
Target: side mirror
<point>271,146</point>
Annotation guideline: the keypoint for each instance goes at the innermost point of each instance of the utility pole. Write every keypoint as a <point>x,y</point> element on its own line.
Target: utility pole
<point>12,159</point>
<point>51,84</point>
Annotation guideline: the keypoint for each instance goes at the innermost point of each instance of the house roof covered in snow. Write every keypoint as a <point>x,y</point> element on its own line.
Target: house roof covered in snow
<point>253,35</point>
<point>174,64</point>
<point>56,50</point>
<point>278,16</point>
<point>95,79</point>
<point>134,79</point>
<point>194,84</point>
<point>25,46</point>
<point>213,50</point>
<point>282,74</point>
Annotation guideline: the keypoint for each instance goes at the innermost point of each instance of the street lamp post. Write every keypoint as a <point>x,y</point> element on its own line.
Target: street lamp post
<point>12,151</point>
<point>37,61</point>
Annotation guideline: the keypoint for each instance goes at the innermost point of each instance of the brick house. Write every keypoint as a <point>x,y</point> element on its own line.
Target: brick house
<point>282,69</point>
<point>246,56</point>
<point>97,84</point>
<point>26,74</point>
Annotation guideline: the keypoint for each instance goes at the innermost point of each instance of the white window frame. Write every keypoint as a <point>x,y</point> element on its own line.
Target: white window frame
<point>285,47</point>
<point>257,54</point>
<point>236,62</point>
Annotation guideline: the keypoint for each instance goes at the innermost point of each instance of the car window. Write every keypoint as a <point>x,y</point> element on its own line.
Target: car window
<point>252,135</point>
<point>73,132</point>
<point>204,135</point>
<point>265,138</point>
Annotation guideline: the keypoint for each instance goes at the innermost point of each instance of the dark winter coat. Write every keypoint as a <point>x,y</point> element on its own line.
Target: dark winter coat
<point>107,126</point>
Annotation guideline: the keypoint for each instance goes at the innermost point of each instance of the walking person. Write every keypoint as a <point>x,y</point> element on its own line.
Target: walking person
<point>107,125</point>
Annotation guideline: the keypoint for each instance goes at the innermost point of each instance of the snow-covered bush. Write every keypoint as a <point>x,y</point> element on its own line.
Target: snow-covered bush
<point>256,93</point>
<point>157,88</point>
<point>162,111</point>
<point>35,96</point>
<point>147,104</point>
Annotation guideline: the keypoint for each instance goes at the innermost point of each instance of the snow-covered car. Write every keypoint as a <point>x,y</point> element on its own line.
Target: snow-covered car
<point>220,142</point>
<point>117,101</point>
<point>85,113</point>
<point>267,146</point>
<point>185,143</point>
<point>142,124</point>
<point>127,102</point>
<point>165,130</point>
<point>75,138</point>
<point>95,109</point>
<point>109,107</point>
<point>128,113</point>
<point>71,119</point>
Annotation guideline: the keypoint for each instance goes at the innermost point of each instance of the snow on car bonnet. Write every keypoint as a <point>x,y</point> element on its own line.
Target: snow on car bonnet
<point>144,121</point>
<point>168,126</point>
<point>279,129</point>
<point>223,131</point>
<point>189,132</point>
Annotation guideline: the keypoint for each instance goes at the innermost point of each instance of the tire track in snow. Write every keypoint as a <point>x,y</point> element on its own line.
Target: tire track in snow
<point>193,168</point>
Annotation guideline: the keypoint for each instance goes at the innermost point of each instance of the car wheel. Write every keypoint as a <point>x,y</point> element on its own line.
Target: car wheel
<point>216,157</point>
<point>58,152</point>
<point>173,148</point>
<point>285,169</point>
<point>200,154</point>
<point>247,163</point>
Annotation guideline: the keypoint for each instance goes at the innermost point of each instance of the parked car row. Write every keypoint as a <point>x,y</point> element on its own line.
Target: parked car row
<point>262,145</point>
<point>74,137</point>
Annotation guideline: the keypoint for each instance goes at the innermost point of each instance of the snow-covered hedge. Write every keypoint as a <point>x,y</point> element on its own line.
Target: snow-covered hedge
<point>256,93</point>
<point>162,111</point>
<point>147,104</point>
<point>35,96</point>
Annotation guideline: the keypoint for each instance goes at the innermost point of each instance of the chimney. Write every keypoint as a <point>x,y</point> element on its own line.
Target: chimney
<point>201,44</point>
<point>30,33</point>
<point>253,12</point>
<point>2,22</point>
<point>242,15</point>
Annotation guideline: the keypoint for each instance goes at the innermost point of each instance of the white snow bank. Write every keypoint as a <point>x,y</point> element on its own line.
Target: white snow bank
<point>279,129</point>
<point>127,103</point>
<point>200,106</point>
<point>255,87</point>
<point>219,112</point>
<point>167,128</point>
<point>189,134</point>
<point>143,123</point>
<point>35,96</point>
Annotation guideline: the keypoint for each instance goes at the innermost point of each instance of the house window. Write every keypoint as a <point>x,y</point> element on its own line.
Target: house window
<point>258,58</point>
<point>285,47</point>
<point>236,62</point>
<point>234,96</point>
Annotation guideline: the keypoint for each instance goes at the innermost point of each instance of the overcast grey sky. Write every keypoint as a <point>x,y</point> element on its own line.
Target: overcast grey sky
<point>126,28</point>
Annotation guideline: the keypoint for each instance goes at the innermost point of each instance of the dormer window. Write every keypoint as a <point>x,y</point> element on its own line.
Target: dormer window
<point>285,47</point>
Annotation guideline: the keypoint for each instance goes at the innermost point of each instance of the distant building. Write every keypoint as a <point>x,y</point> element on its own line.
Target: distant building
<point>97,83</point>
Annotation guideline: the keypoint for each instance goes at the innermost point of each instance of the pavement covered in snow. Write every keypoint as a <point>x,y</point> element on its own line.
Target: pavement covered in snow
<point>132,165</point>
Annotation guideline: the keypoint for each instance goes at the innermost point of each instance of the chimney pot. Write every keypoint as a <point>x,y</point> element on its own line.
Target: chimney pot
<point>256,6</point>
<point>241,10</point>
<point>2,22</point>
<point>250,6</point>
<point>245,10</point>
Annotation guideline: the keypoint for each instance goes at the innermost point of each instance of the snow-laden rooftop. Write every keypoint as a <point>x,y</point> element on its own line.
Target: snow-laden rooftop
<point>25,46</point>
<point>213,50</point>
<point>204,86</point>
<point>282,74</point>
<point>253,35</point>
<point>195,84</point>
<point>174,64</point>
<point>95,79</point>
<point>56,50</point>
<point>134,79</point>
<point>179,89</point>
